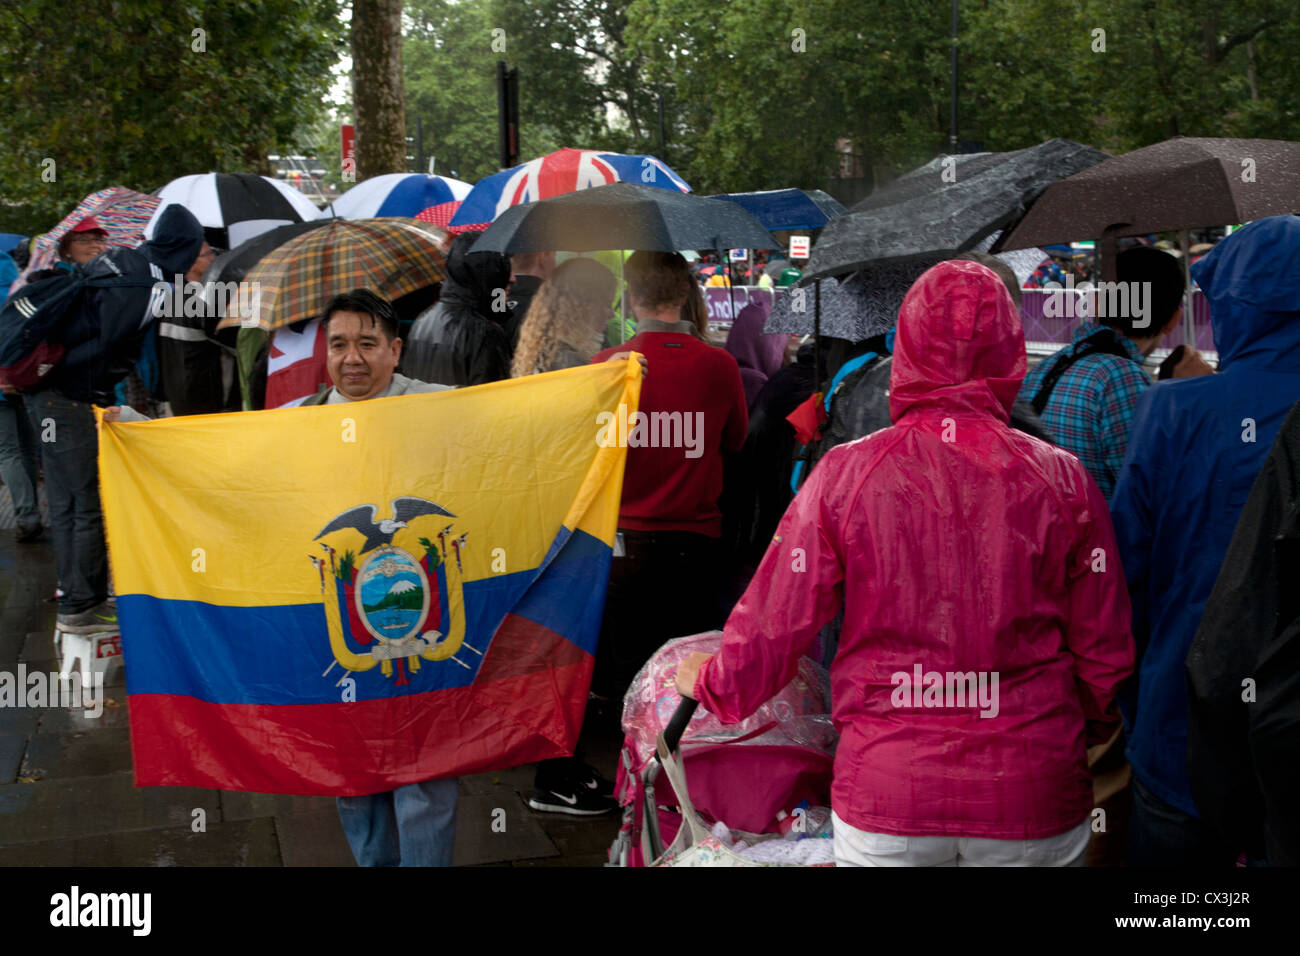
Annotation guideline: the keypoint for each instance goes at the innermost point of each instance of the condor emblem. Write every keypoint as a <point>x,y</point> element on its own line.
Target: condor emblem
<point>384,605</point>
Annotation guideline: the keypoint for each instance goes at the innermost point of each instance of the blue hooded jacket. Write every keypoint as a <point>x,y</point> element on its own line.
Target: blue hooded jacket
<point>106,331</point>
<point>1194,451</point>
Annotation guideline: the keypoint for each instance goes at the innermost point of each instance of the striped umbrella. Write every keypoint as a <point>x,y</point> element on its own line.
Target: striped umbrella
<point>235,207</point>
<point>390,257</point>
<point>432,199</point>
<point>122,212</point>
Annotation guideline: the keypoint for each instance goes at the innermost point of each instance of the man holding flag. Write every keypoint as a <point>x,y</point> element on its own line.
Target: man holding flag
<point>446,652</point>
<point>413,825</point>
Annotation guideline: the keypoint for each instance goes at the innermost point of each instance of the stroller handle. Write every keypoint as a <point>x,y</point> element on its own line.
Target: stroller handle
<point>677,725</point>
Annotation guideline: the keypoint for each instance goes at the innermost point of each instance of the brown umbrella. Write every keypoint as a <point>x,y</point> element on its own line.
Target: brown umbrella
<point>388,256</point>
<point>1183,183</point>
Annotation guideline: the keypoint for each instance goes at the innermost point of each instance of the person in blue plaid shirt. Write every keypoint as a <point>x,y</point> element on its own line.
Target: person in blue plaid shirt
<point>1090,409</point>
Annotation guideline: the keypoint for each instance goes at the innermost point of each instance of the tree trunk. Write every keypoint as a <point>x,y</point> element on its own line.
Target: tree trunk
<point>377,87</point>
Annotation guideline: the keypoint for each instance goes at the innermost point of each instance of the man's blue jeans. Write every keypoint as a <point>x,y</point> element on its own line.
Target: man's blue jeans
<point>18,451</point>
<point>414,825</point>
<point>71,460</point>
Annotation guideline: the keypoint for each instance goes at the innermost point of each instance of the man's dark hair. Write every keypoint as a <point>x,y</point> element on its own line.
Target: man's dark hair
<point>364,302</point>
<point>1163,272</point>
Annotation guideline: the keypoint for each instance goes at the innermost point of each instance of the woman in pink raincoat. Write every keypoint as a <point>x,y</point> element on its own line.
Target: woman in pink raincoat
<point>986,624</point>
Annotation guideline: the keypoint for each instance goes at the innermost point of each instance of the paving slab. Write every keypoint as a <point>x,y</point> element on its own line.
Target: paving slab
<point>85,754</point>
<point>11,645</point>
<point>313,838</point>
<point>32,617</point>
<point>238,805</point>
<point>484,835</point>
<point>20,720</point>
<point>112,716</point>
<point>517,779</point>
<point>581,841</point>
<point>238,843</point>
<point>12,747</point>
<point>90,806</point>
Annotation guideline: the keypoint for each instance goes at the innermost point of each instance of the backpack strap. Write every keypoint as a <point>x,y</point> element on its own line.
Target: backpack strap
<point>1105,342</point>
<point>847,369</point>
<point>805,452</point>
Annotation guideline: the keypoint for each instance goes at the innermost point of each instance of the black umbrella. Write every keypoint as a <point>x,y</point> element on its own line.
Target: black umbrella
<point>866,303</point>
<point>947,206</point>
<point>1183,183</point>
<point>624,216</point>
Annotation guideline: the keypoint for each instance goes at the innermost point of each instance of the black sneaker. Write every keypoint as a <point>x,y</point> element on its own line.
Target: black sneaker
<point>584,793</point>
<point>595,783</point>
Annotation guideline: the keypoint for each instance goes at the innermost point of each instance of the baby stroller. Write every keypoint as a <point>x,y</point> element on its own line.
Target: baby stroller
<point>761,778</point>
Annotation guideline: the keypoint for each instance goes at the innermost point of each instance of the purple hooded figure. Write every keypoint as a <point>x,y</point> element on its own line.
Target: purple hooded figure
<point>758,354</point>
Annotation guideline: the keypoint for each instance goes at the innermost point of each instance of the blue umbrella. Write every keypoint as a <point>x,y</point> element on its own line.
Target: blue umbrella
<point>788,208</point>
<point>10,241</point>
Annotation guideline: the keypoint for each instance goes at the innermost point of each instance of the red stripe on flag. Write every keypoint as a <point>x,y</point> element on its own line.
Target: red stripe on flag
<point>526,704</point>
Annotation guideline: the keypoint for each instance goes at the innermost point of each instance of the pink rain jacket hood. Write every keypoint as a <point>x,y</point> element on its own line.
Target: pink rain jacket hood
<point>986,620</point>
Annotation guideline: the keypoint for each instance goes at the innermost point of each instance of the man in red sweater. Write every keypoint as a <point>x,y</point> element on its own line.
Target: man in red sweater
<point>692,411</point>
<point>664,578</point>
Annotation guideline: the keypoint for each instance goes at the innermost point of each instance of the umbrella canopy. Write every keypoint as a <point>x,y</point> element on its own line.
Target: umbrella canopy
<point>10,240</point>
<point>564,171</point>
<point>624,216</point>
<point>866,303</point>
<point>432,199</point>
<point>391,257</point>
<point>788,208</point>
<point>235,207</point>
<point>946,206</point>
<point>234,264</point>
<point>122,213</point>
<point>1183,183</point>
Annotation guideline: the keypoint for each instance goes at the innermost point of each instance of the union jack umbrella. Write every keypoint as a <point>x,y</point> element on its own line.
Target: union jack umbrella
<point>431,199</point>
<point>564,171</point>
<point>390,257</point>
<point>122,213</point>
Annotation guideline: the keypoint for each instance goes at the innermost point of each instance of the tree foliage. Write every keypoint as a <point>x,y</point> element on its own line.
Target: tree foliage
<point>126,93</point>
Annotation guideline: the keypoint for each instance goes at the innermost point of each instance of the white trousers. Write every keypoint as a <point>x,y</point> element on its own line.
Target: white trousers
<point>854,847</point>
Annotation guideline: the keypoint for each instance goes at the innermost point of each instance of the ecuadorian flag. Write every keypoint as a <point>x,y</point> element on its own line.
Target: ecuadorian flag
<point>346,598</point>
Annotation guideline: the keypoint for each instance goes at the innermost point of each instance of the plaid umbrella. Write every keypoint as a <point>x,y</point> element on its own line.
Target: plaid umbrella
<point>390,257</point>
<point>122,212</point>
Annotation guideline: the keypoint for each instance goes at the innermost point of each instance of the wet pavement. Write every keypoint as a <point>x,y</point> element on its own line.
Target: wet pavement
<point>67,799</point>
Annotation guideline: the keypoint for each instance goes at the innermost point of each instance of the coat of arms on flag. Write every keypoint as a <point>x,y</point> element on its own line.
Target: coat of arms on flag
<point>385,606</point>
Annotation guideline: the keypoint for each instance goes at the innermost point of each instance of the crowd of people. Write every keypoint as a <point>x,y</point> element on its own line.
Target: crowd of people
<point>1060,529</point>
